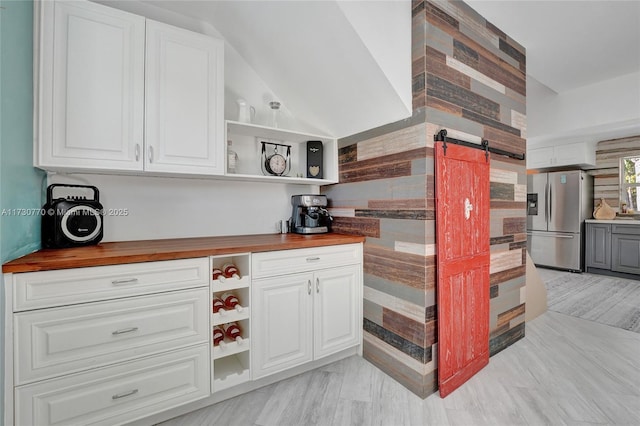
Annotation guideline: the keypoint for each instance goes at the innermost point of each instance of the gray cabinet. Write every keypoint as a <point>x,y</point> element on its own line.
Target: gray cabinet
<point>612,248</point>
<point>625,249</point>
<point>598,246</point>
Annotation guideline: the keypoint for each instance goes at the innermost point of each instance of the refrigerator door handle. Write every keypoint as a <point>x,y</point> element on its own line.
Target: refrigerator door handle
<point>550,234</point>
<point>550,202</point>
<point>546,203</point>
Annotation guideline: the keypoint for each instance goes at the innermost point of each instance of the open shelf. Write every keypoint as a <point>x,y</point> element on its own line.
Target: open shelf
<point>231,347</point>
<point>246,142</point>
<point>231,361</point>
<point>230,316</point>
<point>230,284</point>
<point>242,262</point>
<point>230,371</point>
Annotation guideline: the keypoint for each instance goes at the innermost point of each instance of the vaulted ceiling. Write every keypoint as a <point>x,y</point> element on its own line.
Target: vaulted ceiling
<point>345,65</point>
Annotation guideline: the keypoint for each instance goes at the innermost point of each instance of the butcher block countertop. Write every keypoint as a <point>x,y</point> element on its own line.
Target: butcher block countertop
<point>116,253</point>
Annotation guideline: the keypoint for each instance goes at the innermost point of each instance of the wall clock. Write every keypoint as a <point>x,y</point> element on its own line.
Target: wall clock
<point>273,162</point>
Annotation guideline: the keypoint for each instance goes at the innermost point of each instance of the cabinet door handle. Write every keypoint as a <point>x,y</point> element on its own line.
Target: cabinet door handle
<point>150,154</point>
<point>124,281</point>
<point>313,259</point>
<point>125,394</point>
<point>309,287</point>
<point>125,330</point>
<point>137,152</point>
<point>317,285</point>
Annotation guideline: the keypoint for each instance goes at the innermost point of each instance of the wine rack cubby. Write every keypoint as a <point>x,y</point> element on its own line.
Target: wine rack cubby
<point>231,359</point>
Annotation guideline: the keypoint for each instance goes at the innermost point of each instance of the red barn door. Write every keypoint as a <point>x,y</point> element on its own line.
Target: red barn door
<point>462,238</point>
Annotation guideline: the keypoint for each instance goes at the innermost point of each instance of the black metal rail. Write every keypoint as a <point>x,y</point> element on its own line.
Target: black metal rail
<point>441,136</point>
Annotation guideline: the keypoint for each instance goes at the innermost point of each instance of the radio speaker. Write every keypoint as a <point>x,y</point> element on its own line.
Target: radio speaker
<point>72,221</point>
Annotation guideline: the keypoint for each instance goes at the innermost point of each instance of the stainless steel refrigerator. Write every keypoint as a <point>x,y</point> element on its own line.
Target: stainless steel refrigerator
<point>557,205</point>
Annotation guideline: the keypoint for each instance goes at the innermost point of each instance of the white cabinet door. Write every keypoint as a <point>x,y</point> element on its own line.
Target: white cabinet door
<point>282,327</point>
<point>91,81</point>
<point>540,158</point>
<point>337,312</point>
<point>183,101</point>
<point>575,154</point>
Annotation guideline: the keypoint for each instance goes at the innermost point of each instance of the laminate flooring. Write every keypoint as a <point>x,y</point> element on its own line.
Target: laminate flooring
<point>600,298</point>
<point>565,371</point>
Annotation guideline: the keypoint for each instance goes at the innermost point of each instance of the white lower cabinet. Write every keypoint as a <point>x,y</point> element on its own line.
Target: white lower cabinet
<point>117,394</point>
<point>113,344</point>
<point>131,342</point>
<point>305,316</point>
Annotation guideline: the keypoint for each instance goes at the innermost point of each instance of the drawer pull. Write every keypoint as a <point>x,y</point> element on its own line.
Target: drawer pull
<point>125,394</point>
<point>313,259</point>
<point>124,281</point>
<point>125,330</point>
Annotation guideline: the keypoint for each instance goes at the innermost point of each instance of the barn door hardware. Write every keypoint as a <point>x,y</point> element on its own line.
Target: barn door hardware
<point>441,136</point>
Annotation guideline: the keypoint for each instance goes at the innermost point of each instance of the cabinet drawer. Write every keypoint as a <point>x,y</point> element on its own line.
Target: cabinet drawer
<point>625,229</point>
<point>56,341</point>
<point>68,286</point>
<point>117,394</point>
<point>300,260</point>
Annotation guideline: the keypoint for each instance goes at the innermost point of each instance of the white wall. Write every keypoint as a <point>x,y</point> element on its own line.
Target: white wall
<point>605,110</point>
<point>385,29</point>
<point>160,208</point>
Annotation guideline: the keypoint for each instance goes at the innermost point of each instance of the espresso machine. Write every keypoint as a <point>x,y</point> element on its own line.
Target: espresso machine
<point>309,215</point>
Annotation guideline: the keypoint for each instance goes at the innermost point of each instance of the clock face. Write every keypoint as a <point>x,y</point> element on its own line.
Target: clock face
<point>277,164</point>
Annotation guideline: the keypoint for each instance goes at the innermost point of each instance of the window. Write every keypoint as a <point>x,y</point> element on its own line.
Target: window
<point>630,184</point>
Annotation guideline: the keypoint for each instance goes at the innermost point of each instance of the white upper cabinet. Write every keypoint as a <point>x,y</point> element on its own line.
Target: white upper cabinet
<point>91,85</point>
<point>573,154</point>
<point>184,126</point>
<point>118,92</point>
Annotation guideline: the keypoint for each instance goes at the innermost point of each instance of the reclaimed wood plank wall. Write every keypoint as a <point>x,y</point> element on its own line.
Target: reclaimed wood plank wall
<point>606,175</point>
<point>469,78</point>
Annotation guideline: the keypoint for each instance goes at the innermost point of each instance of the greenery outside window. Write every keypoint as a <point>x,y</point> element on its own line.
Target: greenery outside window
<point>630,184</point>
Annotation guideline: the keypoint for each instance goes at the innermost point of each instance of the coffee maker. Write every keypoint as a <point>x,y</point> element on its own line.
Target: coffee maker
<point>309,215</point>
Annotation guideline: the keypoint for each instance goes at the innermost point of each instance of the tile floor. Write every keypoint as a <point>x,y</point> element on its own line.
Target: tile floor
<point>566,370</point>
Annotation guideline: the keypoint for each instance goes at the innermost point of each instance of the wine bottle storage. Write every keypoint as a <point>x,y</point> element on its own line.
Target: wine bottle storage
<point>229,313</point>
<point>230,318</point>
<point>231,370</point>
<point>229,345</point>
<point>220,282</point>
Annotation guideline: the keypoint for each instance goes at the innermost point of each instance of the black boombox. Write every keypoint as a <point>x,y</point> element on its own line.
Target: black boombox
<point>72,221</point>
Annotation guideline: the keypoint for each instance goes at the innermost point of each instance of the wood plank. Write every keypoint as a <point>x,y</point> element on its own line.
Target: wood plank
<point>512,313</point>
<point>507,275</point>
<point>116,253</point>
<point>348,154</point>
<point>363,226</point>
<point>406,328</point>
<point>436,63</point>
<point>464,98</point>
<point>517,80</point>
<point>514,225</point>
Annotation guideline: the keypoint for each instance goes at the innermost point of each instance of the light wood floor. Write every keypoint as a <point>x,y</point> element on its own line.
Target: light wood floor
<point>607,300</point>
<point>565,371</point>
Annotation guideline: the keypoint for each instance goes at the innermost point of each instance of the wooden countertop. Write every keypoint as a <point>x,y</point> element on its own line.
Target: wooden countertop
<point>116,253</point>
